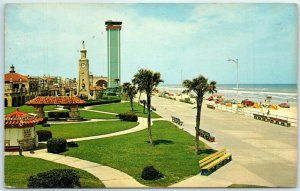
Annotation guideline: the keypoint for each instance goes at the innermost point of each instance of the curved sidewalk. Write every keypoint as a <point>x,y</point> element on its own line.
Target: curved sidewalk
<point>142,125</point>
<point>110,177</point>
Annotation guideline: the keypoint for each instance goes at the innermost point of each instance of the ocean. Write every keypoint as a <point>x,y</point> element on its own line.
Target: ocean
<point>280,93</point>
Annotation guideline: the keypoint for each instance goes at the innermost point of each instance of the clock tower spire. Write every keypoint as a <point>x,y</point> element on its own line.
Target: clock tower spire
<point>83,85</point>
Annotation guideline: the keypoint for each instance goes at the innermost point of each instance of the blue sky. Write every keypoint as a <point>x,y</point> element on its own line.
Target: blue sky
<point>195,38</point>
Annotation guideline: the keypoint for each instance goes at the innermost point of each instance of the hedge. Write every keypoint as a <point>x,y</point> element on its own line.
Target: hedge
<point>128,117</point>
<point>44,135</point>
<point>56,145</point>
<point>58,114</point>
<point>100,102</point>
<point>56,178</point>
<point>150,173</point>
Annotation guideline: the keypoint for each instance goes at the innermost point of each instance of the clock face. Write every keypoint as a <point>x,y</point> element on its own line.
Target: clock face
<point>82,65</point>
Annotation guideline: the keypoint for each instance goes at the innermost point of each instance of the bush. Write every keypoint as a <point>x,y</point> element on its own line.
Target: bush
<point>150,173</point>
<point>56,178</point>
<point>45,119</point>
<point>45,125</point>
<point>101,101</point>
<point>128,117</point>
<point>72,144</point>
<point>44,135</point>
<point>56,114</point>
<point>56,145</point>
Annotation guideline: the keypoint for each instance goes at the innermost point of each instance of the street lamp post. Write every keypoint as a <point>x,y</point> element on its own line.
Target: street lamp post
<point>236,61</point>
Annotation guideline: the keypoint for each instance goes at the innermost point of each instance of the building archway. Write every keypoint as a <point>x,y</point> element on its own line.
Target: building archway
<point>5,102</point>
<point>101,83</point>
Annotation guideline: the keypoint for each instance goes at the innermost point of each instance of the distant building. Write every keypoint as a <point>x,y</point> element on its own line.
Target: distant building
<point>113,29</point>
<point>16,88</point>
<point>21,88</point>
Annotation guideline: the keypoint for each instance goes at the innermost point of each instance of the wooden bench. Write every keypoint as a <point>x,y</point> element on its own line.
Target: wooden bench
<point>177,120</point>
<point>260,117</point>
<point>206,135</point>
<point>212,161</point>
<point>13,149</point>
<point>211,106</point>
<point>278,121</point>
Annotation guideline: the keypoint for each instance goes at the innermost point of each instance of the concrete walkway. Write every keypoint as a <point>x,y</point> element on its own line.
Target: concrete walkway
<point>111,178</point>
<point>142,125</point>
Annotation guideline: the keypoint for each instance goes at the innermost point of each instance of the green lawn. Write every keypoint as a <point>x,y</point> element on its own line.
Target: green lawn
<point>173,153</point>
<point>18,169</point>
<point>123,108</point>
<point>76,130</point>
<point>27,108</point>
<point>94,115</point>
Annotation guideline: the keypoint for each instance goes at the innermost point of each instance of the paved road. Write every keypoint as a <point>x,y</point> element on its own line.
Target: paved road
<point>263,153</point>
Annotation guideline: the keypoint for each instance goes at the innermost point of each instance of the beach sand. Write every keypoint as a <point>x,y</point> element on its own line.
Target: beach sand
<point>291,114</point>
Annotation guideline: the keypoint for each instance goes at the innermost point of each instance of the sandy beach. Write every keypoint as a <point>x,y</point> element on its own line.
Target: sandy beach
<point>263,153</point>
<point>291,114</point>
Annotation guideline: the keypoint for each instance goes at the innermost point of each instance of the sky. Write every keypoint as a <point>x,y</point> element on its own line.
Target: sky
<point>181,41</point>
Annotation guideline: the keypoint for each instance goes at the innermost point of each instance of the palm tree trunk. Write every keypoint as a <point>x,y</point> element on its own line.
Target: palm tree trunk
<point>138,103</point>
<point>149,118</point>
<point>197,128</point>
<point>131,103</point>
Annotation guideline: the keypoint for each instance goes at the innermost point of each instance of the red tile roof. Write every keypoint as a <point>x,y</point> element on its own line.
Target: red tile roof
<point>15,77</point>
<point>55,100</point>
<point>98,88</point>
<point>21,119</point>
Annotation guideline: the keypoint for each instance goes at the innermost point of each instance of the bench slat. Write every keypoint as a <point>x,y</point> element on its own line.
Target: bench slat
<point>216,162</point>
<point>211,156</point>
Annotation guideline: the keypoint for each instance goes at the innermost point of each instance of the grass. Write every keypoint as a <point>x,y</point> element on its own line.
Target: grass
<point>123,108</point>
<point>77,130</point>
<point>27,108</point>
<point>245,186</point>
<point>95,115</point>
<point>18,169</point>
<point>173,153</point>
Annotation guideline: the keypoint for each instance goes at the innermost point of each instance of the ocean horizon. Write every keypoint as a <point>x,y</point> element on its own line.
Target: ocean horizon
<point>280,93</point>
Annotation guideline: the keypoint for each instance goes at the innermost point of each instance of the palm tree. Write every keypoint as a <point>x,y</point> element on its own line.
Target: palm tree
<point>147,80</point>
<point>137,80</point>
<point>125,87</point>
<point>200,86</point>
<point>130,91</point>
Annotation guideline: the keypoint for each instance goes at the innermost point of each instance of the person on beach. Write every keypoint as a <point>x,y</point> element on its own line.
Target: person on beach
<point>268,113</point>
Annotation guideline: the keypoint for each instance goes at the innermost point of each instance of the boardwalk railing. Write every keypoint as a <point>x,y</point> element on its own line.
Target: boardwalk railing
<point>242,111</point>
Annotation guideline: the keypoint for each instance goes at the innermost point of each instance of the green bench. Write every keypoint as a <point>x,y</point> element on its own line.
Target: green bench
<point>211,106</point>
<point>206,135</point>
<point>274,120</point>
<point>177,120</point>
<point>260,117</point>
<point>213,161</point>
<point>278,121</point>
<point>13,149</point>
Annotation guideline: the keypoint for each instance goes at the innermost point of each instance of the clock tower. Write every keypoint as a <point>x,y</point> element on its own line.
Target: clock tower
<point>83,85</point>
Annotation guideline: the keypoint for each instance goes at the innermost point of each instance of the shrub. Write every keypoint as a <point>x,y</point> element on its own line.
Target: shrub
<point>104,100</point>
<point>56,145</point>
<point>150,173</point>
<point>44,135</point>
<point>58,114</point>
<point>72,144</point>
<point>128,117</point>
<point>56,178</point>
<point>45,125</point>
<point>45,119</point>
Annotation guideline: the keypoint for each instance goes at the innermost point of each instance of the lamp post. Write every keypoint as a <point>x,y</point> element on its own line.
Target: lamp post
<point>181,83</point>
<point>236,61</point>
